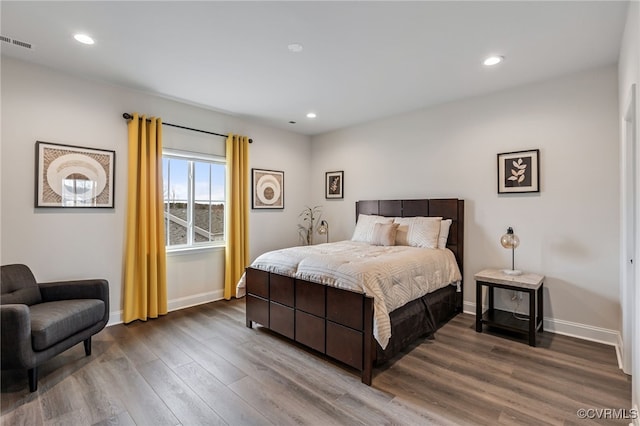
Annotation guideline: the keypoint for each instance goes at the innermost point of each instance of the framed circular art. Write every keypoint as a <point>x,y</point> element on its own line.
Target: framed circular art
<point>268,189</point>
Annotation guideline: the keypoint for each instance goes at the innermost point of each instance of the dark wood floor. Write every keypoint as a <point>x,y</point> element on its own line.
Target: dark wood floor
<point>203,366</point>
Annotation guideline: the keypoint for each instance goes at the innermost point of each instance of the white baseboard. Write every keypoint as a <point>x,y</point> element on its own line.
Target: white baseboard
<point>470,308</point>
<point>586,332</point>
<point>176,304</point>
<point>573,329</point>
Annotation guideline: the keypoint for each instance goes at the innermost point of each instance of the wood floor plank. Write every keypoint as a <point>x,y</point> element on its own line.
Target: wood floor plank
<point>285,403</point>
<point>483,389</point>
<point>202,365</point>
<point>317,368</point>
<point>436,390</point>
<point>226,403</point>
<point>123,382</point>
<point>183,402</point>
<point>136,351</point>
<point>284,372</point>
<point>122,419</point>
<point>29,413</point>
<point>222,369</point>
<point>162,345</point>
<point>94,395</point>
<point>407,412</point>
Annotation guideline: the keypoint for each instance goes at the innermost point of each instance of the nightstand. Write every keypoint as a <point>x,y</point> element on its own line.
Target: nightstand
<point>529,283</point>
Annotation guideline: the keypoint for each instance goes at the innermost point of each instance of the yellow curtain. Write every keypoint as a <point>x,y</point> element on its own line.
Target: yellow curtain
<point>145,277</point>
<point>237,212</point>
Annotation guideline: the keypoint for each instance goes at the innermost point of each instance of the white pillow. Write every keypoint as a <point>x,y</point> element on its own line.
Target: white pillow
<point>365,227</point>
<point>445,224</point>
<point>418,231</point>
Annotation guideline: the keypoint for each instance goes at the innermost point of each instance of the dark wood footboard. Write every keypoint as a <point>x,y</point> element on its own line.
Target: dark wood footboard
<point>332,321</point>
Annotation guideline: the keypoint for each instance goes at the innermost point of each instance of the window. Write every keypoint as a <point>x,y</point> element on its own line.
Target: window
<point>194,199</point>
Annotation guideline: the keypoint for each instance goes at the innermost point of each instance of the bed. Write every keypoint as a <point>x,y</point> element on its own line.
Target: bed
<point>329,315</point>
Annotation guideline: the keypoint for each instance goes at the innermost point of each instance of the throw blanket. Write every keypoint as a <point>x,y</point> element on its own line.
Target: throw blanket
<point>392,275</point>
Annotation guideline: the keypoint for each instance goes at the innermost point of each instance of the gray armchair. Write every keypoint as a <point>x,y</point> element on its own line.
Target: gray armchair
<point>39,321</point>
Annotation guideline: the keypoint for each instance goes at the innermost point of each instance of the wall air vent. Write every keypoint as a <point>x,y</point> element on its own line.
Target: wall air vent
<point>22,44</point>
<point>16,42</point>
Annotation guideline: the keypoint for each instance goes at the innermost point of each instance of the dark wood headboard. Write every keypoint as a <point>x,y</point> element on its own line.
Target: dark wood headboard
<point>447,208</point>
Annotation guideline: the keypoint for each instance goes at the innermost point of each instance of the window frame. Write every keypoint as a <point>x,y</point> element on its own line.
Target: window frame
<point>192,158</point>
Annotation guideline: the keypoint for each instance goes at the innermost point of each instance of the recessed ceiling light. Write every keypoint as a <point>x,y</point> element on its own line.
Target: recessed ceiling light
<point>311,115</point>
<point>83,38</point>
<point>295,47</point>
<point>493,60</point>
<point>292,122</point>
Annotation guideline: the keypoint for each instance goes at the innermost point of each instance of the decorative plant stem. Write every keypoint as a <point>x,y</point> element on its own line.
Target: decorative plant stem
<point>309,217</point>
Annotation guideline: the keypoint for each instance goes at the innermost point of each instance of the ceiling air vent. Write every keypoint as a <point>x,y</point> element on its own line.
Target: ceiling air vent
<point>16,42</point>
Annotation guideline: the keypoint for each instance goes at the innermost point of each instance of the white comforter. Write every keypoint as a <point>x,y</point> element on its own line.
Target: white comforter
<point>391,275</point>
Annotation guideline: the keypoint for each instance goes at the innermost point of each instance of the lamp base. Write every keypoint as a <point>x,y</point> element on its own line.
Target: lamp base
<point>512,271</point>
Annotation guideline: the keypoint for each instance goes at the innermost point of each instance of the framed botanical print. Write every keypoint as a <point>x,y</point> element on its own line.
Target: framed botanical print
<point>74,176</point>
<point>268,189</point>
<point>519,172</point>
<point>334,185</point>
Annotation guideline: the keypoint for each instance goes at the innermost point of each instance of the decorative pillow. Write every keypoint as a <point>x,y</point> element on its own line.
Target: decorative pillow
<point>384,234</point>
<point>445,224</point>
<point>403,230</point>
<point>364,227</point>
<point>418,231</point>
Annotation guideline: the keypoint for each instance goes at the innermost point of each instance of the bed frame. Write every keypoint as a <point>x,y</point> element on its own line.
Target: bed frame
<point>338,322</point>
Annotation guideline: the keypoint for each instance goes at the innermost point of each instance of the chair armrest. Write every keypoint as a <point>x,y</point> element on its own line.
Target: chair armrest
<point>15,336</point>
<point>78,289</point>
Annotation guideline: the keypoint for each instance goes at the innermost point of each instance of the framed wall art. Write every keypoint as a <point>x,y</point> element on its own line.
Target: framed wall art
<point>73,176</point>
<point>519,172</point>
<point>268,189</point>
<point>334,185</point>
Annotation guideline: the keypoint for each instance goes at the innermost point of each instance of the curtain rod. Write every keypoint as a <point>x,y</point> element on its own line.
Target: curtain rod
<point>128,116</point>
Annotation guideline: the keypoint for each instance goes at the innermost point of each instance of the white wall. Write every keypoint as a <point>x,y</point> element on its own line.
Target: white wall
<point>569,231</point>
<point>42,104</point>
<point>628,76</point>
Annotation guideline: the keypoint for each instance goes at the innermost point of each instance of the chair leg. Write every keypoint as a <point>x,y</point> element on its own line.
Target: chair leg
<point>87,346</point>
<point>32,374</point>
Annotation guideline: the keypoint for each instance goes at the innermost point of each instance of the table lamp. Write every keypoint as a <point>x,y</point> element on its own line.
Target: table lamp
<point>511,241</point>
<point>323,229</point>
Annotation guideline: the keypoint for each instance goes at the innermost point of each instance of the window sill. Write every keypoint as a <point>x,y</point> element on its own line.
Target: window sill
<point>193,250</point>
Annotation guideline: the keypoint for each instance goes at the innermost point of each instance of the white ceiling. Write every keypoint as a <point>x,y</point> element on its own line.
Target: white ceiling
<point>361,60</point>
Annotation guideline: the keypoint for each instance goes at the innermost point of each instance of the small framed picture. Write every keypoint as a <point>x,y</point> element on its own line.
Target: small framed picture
<point>268,189</point>
<point>334,185</point>
<point>73,176</point>
<point>519,172</point>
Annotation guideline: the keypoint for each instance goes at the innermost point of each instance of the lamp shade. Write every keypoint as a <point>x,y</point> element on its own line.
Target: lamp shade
<point>323,228</point>
<point>510,240</point>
